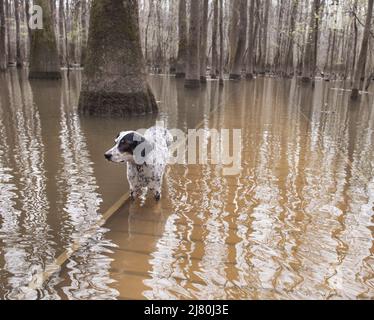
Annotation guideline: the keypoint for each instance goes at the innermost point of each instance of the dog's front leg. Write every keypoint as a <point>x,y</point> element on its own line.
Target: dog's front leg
<point>135,186</point>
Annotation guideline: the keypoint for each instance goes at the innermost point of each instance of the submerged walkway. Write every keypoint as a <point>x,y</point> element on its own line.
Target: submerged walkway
<point>295,223</point>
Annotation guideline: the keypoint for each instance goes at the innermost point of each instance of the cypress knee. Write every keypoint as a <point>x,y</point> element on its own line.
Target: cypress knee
<point>114,78</point>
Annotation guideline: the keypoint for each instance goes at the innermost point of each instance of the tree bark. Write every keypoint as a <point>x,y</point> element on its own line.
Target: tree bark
<point>309,61</point>
<point>114,79</point>
<point>12,34</point>
<point>44,62</point>
<point>214,68</point>
<point>237,65</point>
<point>264,40</point>
<point>193,57</point>
<point>182,40</point>
<point>3,38</point>
<point>251,42</point>
<point>221,43</point>
<point>62,34</point>
<point>289,61</point>
<point>361,63</point>
<point>203,41</point>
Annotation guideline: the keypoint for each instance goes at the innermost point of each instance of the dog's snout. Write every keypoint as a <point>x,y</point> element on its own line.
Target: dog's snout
<point>108,156</point>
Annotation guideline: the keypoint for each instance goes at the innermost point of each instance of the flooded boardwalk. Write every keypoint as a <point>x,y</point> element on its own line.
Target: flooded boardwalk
<point>295,223</point>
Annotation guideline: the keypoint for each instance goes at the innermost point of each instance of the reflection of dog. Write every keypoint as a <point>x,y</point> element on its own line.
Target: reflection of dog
<point>146,157</point>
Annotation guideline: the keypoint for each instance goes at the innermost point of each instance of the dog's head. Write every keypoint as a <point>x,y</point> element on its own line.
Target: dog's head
<point>130,146</point>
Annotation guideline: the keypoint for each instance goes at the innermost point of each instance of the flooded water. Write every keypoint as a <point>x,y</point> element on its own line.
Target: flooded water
<point>296,223</point>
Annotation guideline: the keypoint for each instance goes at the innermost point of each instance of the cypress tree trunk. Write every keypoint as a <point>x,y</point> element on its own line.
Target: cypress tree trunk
<point>233,30</point>
<point>214,70</point>
<point>360,68</point>
<point>264,39</point>
<point>182,41</point>
<point>251,42</point>
<point>3,39</point>
<point>309,64</point>
<point>193,57</point>
<point>237,65</point>
<point>289,59</point>
<point>62,34</point>
<point>12,44</point>
<point>114,79</point>
<point>221,42</point>
<point>203,41</point>
<point>22,31</point>
<point>44,62</point>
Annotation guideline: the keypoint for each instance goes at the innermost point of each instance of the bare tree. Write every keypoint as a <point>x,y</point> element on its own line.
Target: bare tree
<point>44,61</point>
<point>361,63</point>
<point>221,42</point>
<point>203,41</point>
<point>214,67</point>
<point>182,40</point>
<point>3,38</point>
<point>114,79</point>
<point>237,63</point>
<point>309,61</point>
<point>193,56</point>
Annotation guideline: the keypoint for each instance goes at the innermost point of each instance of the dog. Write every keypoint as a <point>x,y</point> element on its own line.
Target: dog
<point>146,157</point>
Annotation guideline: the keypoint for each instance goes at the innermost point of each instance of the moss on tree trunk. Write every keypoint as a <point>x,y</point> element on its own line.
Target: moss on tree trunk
<point>44,61</point>
<point>114,78</point>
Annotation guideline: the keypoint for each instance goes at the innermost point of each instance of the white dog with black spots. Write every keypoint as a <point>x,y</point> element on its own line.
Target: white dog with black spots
<point>146,157</point>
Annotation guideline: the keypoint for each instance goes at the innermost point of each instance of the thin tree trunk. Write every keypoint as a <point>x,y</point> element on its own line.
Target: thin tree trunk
<point>355,41</point>
<point>237,65</point>
<point>361,63</point>
<point>214,69</point>
<point>221,43</point>
<point>193,57</point>
<point>250,42</point>
<point>264,40</point>
<point>309,61</point>
<point>12,45</point>
<point>203,40</point>
<point>289,64</point>
<point>3,38</point>
<point>62,34</point>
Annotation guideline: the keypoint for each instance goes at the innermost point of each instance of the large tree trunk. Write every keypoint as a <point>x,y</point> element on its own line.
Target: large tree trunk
<point>114,79</point>
<point>182,40</point>
<point>3,38</point>
<point>193,57</point>
<point>203,41</point>
<point>237,63</point>
<point>214,69</point>
<point>361,63</point>
<point>44,63</point>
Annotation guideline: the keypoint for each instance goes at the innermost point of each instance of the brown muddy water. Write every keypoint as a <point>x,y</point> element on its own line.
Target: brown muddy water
<point>296,223</point>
